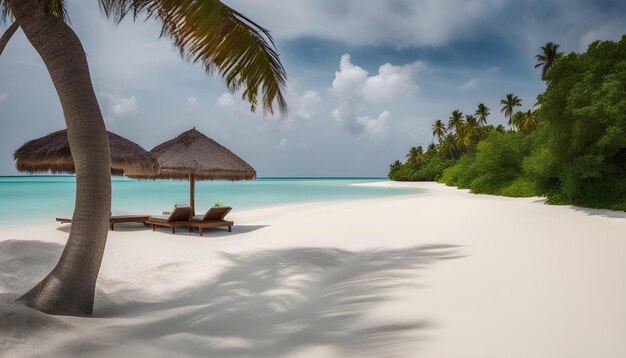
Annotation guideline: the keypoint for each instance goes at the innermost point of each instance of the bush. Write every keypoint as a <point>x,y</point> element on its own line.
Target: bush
<point>496,167</point>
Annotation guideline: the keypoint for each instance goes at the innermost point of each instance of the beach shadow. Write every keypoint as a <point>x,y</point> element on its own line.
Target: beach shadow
<point>601,212</point>
<point>182,231</point>
<point>266,303</point>
<point>270,303</point>
<point>211,232</point>
<point>23,263</point>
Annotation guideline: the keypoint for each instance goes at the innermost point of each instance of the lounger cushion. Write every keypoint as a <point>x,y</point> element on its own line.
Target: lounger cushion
<point>160,217</point>
<point>197,218</point>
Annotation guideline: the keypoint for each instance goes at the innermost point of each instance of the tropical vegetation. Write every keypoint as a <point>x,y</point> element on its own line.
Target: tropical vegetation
<point>570,147</point>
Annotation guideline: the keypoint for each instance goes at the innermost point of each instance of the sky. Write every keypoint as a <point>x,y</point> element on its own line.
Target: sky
<point>365,78</point>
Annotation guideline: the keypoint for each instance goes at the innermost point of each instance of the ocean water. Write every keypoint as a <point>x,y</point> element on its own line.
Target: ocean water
<point>33,198</point>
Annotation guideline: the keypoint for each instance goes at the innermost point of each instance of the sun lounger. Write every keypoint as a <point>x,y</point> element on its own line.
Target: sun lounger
<point>115,219</point>
<point>214,217</point>
<point>178,218</point>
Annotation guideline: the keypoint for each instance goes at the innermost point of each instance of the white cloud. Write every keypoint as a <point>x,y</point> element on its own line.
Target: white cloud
<point>191,101</point>
<point>470,85</point>
<point>397,23</point>
<point>117,107</point>
<point>355,89</point>
<point>283,143</point>
<point>374,129</point>
<point>3,96</point>
<point>301,107</point>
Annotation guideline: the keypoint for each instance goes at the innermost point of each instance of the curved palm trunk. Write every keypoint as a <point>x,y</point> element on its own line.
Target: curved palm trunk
<point>69,288</point>
<point>6,36</point>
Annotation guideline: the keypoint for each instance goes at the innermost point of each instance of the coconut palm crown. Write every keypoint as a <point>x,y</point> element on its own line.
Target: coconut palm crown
<point>456,120</point>
<point>548,58</point>
<point>508,105</point>
<point>482,112</point>
<point>439,130</point>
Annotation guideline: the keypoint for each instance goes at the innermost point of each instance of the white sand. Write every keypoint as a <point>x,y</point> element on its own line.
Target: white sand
<point>441,274</point>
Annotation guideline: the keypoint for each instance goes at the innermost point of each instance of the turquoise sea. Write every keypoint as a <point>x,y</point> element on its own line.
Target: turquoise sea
<point>33,198</point>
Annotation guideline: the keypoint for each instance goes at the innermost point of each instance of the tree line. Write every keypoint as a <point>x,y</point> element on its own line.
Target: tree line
<point>570,146</point>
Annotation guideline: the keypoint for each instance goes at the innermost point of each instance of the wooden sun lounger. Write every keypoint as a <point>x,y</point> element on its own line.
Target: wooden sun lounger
<point>214,217</point>
<point>115,219</point>
<point>178,218</point>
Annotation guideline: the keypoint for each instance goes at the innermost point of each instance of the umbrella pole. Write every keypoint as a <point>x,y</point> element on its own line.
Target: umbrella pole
<point>192,192</point>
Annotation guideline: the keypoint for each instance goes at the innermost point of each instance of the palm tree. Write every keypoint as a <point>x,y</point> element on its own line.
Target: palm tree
<point>548,58</point>
<point>415,155</point>
<point>432,148</point>
<point>528,122</point>
<point>456,120</point>
<point>395,166</point>
<point>469,132</point>
<point>482,112</point>
<point>509,104</point>
<point>500,128</point>
<point>517,120</point>
<point>450,143</point>
<point>439,130</point>
<point>205,31</point>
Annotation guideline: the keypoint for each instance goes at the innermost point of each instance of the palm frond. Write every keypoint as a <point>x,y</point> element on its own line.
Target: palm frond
<point>219,37</point>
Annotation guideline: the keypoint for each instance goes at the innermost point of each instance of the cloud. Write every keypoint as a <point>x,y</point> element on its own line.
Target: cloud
<point>374,129</point>
<point>3,96</point>
<point>301,107</point>
<point>355,89</point>
<point>191,101</point>
<point>283,143</point>
<point>117,107</point>
<point>399,23</point>
<point>611,31</point>
<point>470,85</point>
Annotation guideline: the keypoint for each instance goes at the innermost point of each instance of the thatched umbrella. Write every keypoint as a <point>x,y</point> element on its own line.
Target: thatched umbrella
<point>52,153</point>
<point>193,156</point>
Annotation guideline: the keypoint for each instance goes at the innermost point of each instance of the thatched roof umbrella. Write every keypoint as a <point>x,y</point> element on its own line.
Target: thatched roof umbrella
<point>52,153</point>
<point>193,156</point>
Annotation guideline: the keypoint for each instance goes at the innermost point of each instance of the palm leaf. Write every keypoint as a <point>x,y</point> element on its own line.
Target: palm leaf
<point>219,37</point>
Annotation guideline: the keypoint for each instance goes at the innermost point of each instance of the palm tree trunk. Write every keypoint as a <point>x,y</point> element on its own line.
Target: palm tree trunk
<point>6,36</point>
<point>69,288</point>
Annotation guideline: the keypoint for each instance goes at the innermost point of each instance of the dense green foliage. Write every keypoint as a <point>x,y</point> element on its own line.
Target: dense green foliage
<point>572,149</point>
<point>582,159</point>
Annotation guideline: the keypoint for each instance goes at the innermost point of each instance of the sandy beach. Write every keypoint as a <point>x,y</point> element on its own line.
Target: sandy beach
<point>439,274</point>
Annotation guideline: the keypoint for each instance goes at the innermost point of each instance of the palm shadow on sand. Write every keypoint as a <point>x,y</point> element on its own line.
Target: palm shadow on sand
<point>266,303</point>
<point>270,303</point>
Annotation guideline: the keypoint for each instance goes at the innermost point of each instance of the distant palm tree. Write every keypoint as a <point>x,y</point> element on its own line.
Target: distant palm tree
<point>414,155</point>
<point>432,147</point>
<point>456,120</point>
<point>528,122</point>
<point>509,104</point>
<point>500,128</point>
<point>439,130</point>
<point>469,131</point>
<point>518,120</point>
<point>548,58</point>
<point>449,142</point>
<point>482,112</point>
<point>395,166</point>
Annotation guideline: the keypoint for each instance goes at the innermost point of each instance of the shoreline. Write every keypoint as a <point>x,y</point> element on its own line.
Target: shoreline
<point>443,273</point>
